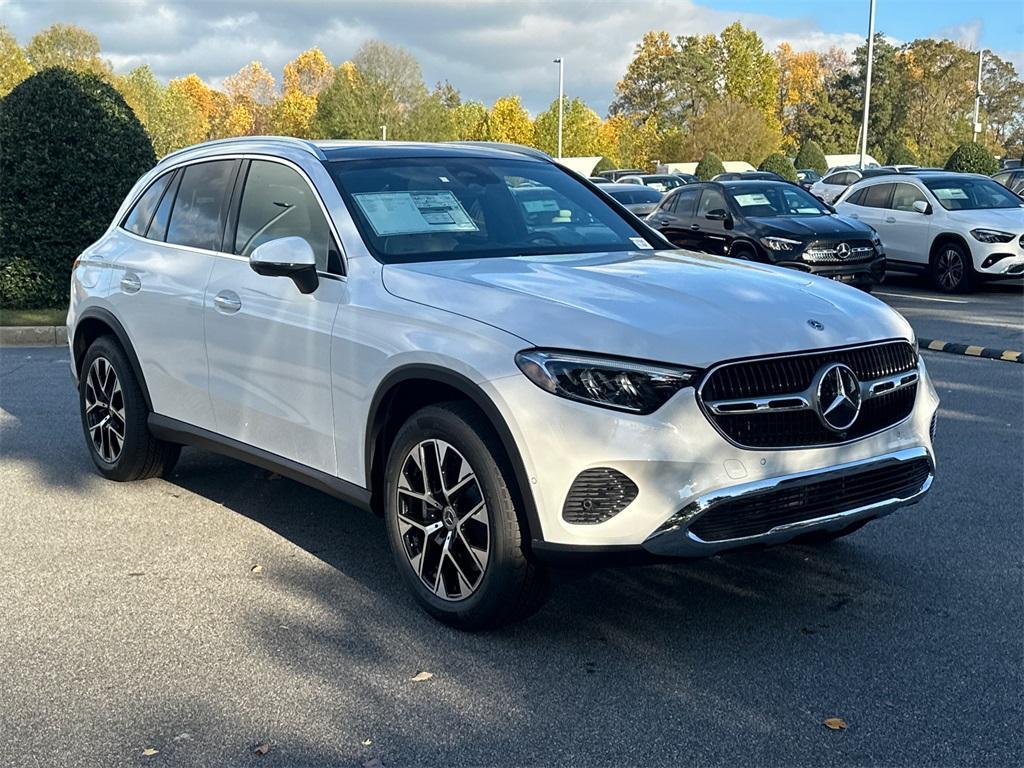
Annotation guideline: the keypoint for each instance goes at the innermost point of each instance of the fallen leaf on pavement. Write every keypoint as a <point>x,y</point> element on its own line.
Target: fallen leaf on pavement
<point>835,724</point>
<point>263,748</point>
<point>366,742</point>
<point>421,676</point>
<point>256,569</point>
<point>149,751</point>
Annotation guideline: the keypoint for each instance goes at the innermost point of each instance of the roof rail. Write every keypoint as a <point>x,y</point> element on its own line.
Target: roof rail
<point>291,141</point>
<point>508,147</point>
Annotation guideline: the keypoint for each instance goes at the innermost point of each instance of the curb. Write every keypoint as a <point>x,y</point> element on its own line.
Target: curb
<point>971,350</point>
<point>33,335</point>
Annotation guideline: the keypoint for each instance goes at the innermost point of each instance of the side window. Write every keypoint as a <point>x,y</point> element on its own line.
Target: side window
<point>686,202</point>
<point>1002,178</point>
<point>904,197</point>
<point>137,222</point>
<point>668,205</point>
<point>711,200</point>
<point>876,196</point>
<point>1017,184</point>
<point>197,219</point>
<point>277,202</point>
<point>855,197</point>
<point>835,178</point>
<point>158,227</point>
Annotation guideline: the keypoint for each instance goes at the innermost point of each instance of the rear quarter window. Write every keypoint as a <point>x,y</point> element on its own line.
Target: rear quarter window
<point>137,221</point>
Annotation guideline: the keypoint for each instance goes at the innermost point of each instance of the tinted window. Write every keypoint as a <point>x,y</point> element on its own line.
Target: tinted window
<point>835,178</point>
<point>686,201</point>
<point>429,209</point>
<point>855,197</point>
<point>199,208</point>
<point>277,202</point>
<point>1002,178</point>
<point>904,197</point>
<point>876,196</point>
<point>138,220</point>
<point>968,193</point>
<point>711,200</point>
<point>158,227</point>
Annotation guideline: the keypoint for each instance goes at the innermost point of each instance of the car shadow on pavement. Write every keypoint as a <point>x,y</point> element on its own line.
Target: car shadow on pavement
<point>664,636</point>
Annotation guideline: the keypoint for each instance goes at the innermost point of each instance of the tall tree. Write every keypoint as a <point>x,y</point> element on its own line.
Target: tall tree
<point>580,126</point>
<point>308,73</point>
<point>170,118</point>
<point>342,112</point>
<point>507,121</point>
<point>14,66</point>
<point>751,73</point>
<point>734,130</point>
<point>939,83</point>
<point>254,89</point>
<point>801,80</point>
<point>66,45</point>
<point>469,121</point>
<point>646,90</point>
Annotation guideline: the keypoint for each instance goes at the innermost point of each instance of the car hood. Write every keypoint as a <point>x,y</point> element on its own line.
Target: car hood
<point>812,226</point>
<point>669,306</point>
<point>1007,219</point>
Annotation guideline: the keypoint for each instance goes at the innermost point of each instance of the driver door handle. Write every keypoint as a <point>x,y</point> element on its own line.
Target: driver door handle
<point>227,302</point>
<point>890,220</point>
<point>695,227</point>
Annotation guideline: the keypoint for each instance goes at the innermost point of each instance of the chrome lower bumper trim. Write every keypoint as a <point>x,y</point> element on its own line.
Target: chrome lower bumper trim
<point>674,538</point>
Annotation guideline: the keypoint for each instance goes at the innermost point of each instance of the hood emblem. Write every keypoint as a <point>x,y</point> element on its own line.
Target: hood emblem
<point>837,397</point>
<point>843,251</point>
<point>816,325</point>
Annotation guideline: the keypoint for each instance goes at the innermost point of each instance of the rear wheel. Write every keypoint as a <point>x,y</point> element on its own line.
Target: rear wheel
<point>452,522</point>
<point>114,417</point>
<point>952,271</point>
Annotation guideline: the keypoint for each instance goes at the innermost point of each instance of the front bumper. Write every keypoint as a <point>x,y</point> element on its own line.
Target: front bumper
<point>998,259</point>
<point>677,459</point>
<point>869,272</point>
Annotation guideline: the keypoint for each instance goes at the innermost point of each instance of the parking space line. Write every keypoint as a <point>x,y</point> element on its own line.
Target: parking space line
<point>921,298</point>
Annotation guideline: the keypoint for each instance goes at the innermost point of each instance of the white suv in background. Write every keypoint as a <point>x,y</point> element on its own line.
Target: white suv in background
<point>507,382</point>
<point>956,227</point>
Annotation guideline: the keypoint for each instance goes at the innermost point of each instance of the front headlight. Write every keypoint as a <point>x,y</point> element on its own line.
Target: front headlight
<point>780,243</point>
<point>992,235</point>
<point>622,385</point>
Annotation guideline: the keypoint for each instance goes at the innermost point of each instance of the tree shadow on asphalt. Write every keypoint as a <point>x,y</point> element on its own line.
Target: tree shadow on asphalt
<point>636,655</point>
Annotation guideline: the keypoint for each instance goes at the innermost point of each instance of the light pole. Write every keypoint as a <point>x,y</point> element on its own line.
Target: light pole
<point>976,128</point>
<point>867,84</point>
<point>561,83</point>
<point>383,133</point>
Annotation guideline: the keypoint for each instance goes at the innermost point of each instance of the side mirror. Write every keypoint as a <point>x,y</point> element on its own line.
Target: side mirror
<point>831,208</point>
<point>718,214</point>
<point>287,257</point>
<point>923,207</point>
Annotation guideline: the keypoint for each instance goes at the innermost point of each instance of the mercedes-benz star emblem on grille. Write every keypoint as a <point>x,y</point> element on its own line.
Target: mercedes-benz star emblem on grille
<point>816,325</point>
<point>838,397</point>
<point>843,251</point>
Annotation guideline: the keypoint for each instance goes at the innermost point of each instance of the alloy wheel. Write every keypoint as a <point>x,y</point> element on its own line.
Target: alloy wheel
<point>950,268</point>
<point>442,520</point>
<point>104,410</point>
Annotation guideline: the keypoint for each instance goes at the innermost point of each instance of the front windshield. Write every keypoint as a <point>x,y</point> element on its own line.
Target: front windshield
<point>429,209</point>
<point>970,194</point>
<point>774,200</point>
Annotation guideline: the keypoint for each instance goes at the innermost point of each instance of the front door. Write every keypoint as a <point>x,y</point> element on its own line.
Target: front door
<point>714,233</point>
<point>676,223</point>
<point>906,231</point>
<point>268,345</point>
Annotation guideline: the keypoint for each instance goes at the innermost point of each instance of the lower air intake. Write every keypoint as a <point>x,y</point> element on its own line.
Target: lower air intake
<point>597,495</point>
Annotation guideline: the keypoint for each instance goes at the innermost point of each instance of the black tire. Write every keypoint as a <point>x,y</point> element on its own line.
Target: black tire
<point>509,587</point>
<point>819,538</point>
<point>744,252</point>
<point>952,270</point>
<point>139,455</point>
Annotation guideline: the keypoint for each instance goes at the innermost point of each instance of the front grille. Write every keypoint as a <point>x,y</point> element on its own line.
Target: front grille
<point>825,251</point>
<point>597,495</point>
<point>796,501</point>
<point>794,374</point>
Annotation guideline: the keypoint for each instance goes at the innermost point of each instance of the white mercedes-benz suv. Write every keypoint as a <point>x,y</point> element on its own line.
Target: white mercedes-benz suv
<point>494,355</point>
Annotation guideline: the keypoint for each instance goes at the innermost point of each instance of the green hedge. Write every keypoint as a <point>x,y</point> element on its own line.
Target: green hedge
<point>972,158</point>
<point>709,167</point>
<point>779,164</point>
<point>72,148</point>
<point>811,156</point>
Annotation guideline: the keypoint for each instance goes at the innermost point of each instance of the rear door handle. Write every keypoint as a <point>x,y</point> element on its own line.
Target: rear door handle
<point>695,227</point>
<point>890,220</point>
<point>227,302</point>
<point>131,283</point>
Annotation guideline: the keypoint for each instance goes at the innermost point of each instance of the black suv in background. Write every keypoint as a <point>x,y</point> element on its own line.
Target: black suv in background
<point>773,222</point>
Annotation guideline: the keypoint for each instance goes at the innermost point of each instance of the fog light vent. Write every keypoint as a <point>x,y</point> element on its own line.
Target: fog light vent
<point>597,495</point>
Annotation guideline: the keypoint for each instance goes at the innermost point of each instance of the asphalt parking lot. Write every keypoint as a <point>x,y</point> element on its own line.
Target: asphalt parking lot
<point>224,608</point>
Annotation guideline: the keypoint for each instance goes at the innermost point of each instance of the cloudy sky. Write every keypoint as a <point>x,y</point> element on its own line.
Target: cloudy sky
<point>489,48</point>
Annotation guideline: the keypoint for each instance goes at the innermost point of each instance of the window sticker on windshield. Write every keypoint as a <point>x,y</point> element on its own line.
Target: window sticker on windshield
<point>642,244</point>
<point>950,193</point>
<point>414,213</point>
<point>539,206</point>
<point>752,199</point>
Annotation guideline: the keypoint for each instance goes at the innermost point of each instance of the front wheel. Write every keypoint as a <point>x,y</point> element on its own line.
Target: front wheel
<point>952,270</point>
<point>452,522</point>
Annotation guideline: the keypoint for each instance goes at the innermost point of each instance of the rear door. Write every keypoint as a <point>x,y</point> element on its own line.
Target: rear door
<point>269,346</point>
<point>874,207</point>
<point>906,233</point>
<point>676,223</point>
<point>160,284</point>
